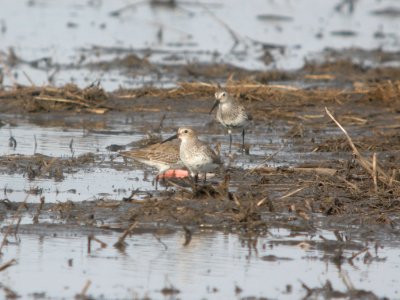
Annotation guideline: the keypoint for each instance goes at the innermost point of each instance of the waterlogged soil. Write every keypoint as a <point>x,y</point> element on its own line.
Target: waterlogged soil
<point>300,171</point>
<point>315,194</point>
<point>297,159</point>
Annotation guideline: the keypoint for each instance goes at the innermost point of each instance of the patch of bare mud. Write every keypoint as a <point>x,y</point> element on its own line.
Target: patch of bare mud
<point>38,165</point>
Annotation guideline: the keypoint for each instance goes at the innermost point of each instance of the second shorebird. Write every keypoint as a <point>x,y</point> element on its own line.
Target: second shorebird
<point>195,154</point>
<point>164,157</point>
<point>231,114</point>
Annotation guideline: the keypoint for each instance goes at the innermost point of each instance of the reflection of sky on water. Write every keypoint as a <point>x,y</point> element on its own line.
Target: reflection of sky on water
<point>212,260</point>
<point>115,179</point>
<point>59,30</point>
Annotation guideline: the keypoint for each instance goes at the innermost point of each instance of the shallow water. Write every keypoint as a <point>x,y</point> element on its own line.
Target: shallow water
<point>87,136</point>
<point>109,177</point>
<point>74,35</point>
<point>210,267</point>
<point>67,31</point>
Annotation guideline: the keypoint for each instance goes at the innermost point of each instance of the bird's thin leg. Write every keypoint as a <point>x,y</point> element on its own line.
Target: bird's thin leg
<point>230,140</point>
<point>156,181</point>
<point>243,133</point>
<point>195,186</point>
<point>205,178</point>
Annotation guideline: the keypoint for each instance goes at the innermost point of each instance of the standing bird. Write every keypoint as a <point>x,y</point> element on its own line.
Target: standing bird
<point>164,157</point>
<point>195,154</point>
<point>231,114</point>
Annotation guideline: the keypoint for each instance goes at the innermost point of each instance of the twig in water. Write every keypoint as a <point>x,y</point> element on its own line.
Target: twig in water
<point>8,264</point>
<point>71,147</point>
<point>18,212</point>
<point>188,236</point>
<point>7,71</point>
<point>160,241</point>
<point>17,226</point>
<point>12,142</point>
<point>120,244</point>
<point>161,124</point>
<point>308,289</point>
<point>50,77</point>
<point>29,79</point>
<point>170,28</point>
<point>338,236</point>
<point>83,293</point>
<point>117,12</point>
<point>346,280</point>
<point>93,238</point>
<point>349,3</point>
<point>133,193</point>
<point>102,244</point>
<point>35,219</point>
<point>9,293</point>
<point>9,228</point>
<point>89,244</point>
<point>350,260</point>
<point>34,150</point>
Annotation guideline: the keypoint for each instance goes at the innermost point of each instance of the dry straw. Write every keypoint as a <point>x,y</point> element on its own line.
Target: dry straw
<point>376,172</point>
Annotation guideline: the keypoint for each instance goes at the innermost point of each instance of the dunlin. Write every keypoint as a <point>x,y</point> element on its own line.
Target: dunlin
<point>164,157</point>
<point>196,155</point>
<point>231,114</point>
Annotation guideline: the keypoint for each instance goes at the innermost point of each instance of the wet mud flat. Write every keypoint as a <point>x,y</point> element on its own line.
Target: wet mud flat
<point>303,183</point>
<point>292,144</point>
<point>310,210</point>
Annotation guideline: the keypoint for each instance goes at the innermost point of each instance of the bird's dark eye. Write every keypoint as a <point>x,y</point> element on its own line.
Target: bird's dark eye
<point>223,94</point>
<point>185,131</point>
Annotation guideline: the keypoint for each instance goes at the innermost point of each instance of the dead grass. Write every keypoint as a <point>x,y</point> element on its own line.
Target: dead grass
<point>69,97</point>
<point>36,165</point>
<point>251,89</point>
<point>366,187</point>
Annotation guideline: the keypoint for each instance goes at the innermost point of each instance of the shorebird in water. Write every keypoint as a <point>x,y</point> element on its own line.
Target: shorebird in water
<point>195,154</point>
<point>163,156</point>
<point>231,114</point>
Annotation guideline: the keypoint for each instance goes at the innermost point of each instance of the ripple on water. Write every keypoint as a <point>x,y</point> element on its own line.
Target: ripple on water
<point>212,260</point>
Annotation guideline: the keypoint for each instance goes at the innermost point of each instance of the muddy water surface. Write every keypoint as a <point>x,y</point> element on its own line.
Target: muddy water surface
<point>111,177</point>
<point>48,37</point>
<point>212,266</point>
<point>296,216</point>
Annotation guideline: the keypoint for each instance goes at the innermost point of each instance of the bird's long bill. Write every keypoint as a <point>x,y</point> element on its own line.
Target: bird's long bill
<point>175,136</point>
<point>214,106</point>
